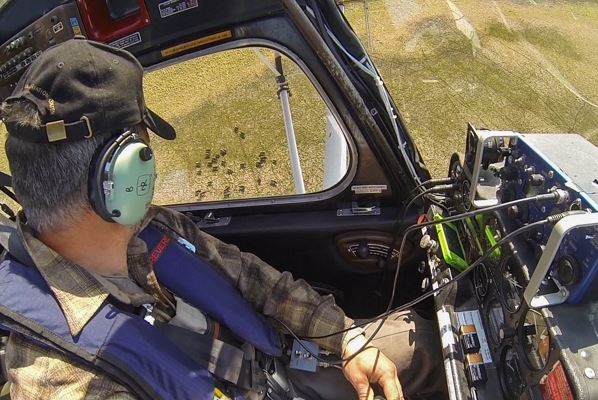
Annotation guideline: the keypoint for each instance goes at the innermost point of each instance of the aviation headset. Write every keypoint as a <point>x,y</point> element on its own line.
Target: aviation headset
<point>121,179</point>
<point>76,102</point>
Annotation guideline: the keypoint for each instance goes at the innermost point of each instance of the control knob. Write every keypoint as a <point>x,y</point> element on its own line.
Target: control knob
<point>567,270</point>
<point>363,250</point>
<point>536,180</point>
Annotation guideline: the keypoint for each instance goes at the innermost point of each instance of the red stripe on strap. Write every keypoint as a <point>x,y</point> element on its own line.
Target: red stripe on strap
<point>159,249</point>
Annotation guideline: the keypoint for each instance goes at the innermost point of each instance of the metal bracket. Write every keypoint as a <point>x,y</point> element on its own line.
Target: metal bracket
<point>209,220</point>
<point>301,358</point>
<point>357,210</point>
<point>551,299</point>
<point>559,232</point>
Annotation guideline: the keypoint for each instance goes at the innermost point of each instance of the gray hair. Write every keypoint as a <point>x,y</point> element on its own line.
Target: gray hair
<point>49,180</point>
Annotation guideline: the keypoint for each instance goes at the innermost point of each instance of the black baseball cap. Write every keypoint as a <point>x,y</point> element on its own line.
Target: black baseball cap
<point>82,89</point>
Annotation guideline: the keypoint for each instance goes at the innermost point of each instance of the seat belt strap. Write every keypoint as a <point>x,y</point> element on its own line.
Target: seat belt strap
<point>223,360</point>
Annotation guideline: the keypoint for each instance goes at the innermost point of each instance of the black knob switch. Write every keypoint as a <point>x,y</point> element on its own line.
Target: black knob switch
<point>536,180</point>
<point>145,154</point>
<point>363,250</point>
<point>567,270</point>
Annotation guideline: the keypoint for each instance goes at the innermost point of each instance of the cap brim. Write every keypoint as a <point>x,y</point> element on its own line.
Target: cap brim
<point>159,126</point>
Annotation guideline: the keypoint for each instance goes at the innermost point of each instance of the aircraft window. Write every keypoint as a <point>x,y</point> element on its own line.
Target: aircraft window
<point>527,66</point>
<point>235,129</point>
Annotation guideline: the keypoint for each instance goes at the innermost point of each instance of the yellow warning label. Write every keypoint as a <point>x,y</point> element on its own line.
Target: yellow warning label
<point>179,48</point>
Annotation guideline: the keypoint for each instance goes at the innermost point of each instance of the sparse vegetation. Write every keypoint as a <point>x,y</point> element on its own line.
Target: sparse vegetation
<point>231,139</point>
<point>515,65</point>
<point>534,70</point>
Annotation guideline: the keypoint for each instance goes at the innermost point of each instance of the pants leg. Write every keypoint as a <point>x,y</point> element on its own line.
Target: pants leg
<point>407,339</point>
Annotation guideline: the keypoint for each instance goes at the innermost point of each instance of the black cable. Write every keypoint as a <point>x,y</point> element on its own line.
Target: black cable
<point>426,295</point>
<point>434,189</point>
<point>540,197</point>
<point>394,243</point>
<point>389,310</point>
<point>333,362</point>
<point>477,262</point>
<point>434,182</point>
<point>438,203</point>
<point>547,196</point>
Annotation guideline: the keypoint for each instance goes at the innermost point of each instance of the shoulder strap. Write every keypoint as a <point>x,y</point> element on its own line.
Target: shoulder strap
<point>117,343</point>
<point>202,285</point>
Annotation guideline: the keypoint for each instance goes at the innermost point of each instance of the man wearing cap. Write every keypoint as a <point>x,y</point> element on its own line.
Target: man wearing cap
<point>78,109</point>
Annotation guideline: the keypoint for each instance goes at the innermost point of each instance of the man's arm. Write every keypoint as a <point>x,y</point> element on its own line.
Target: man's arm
<point>38,373</point>
<point>275,294</point>
<point>295,303</point>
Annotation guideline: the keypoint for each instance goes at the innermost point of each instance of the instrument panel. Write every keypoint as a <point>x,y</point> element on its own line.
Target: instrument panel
<point>522,324</point>
<point>21,50</point>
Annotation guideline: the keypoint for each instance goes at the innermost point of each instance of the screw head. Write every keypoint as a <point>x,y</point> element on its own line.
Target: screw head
<point>589,373</point>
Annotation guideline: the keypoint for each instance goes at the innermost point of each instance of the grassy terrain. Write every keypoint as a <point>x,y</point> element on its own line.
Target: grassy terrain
<point>524,65</point>
<point>528,66</point>
<point>231,140</point>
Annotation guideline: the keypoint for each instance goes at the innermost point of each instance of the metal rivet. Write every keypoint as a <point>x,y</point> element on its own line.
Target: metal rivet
<point>60,64</point>
<point>550,174</point>
<point>589,373</point>
<point>584,354</point>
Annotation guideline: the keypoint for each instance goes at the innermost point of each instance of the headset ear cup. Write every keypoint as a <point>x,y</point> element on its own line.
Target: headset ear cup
<point>133,173</point>
<point>121,182</point>
<point>97,176</point>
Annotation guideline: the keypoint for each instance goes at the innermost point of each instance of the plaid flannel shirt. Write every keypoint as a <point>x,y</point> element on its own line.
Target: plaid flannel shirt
<point>39,373</point>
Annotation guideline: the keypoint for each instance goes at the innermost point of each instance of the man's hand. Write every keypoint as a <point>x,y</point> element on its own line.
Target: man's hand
<point>371,366</point>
